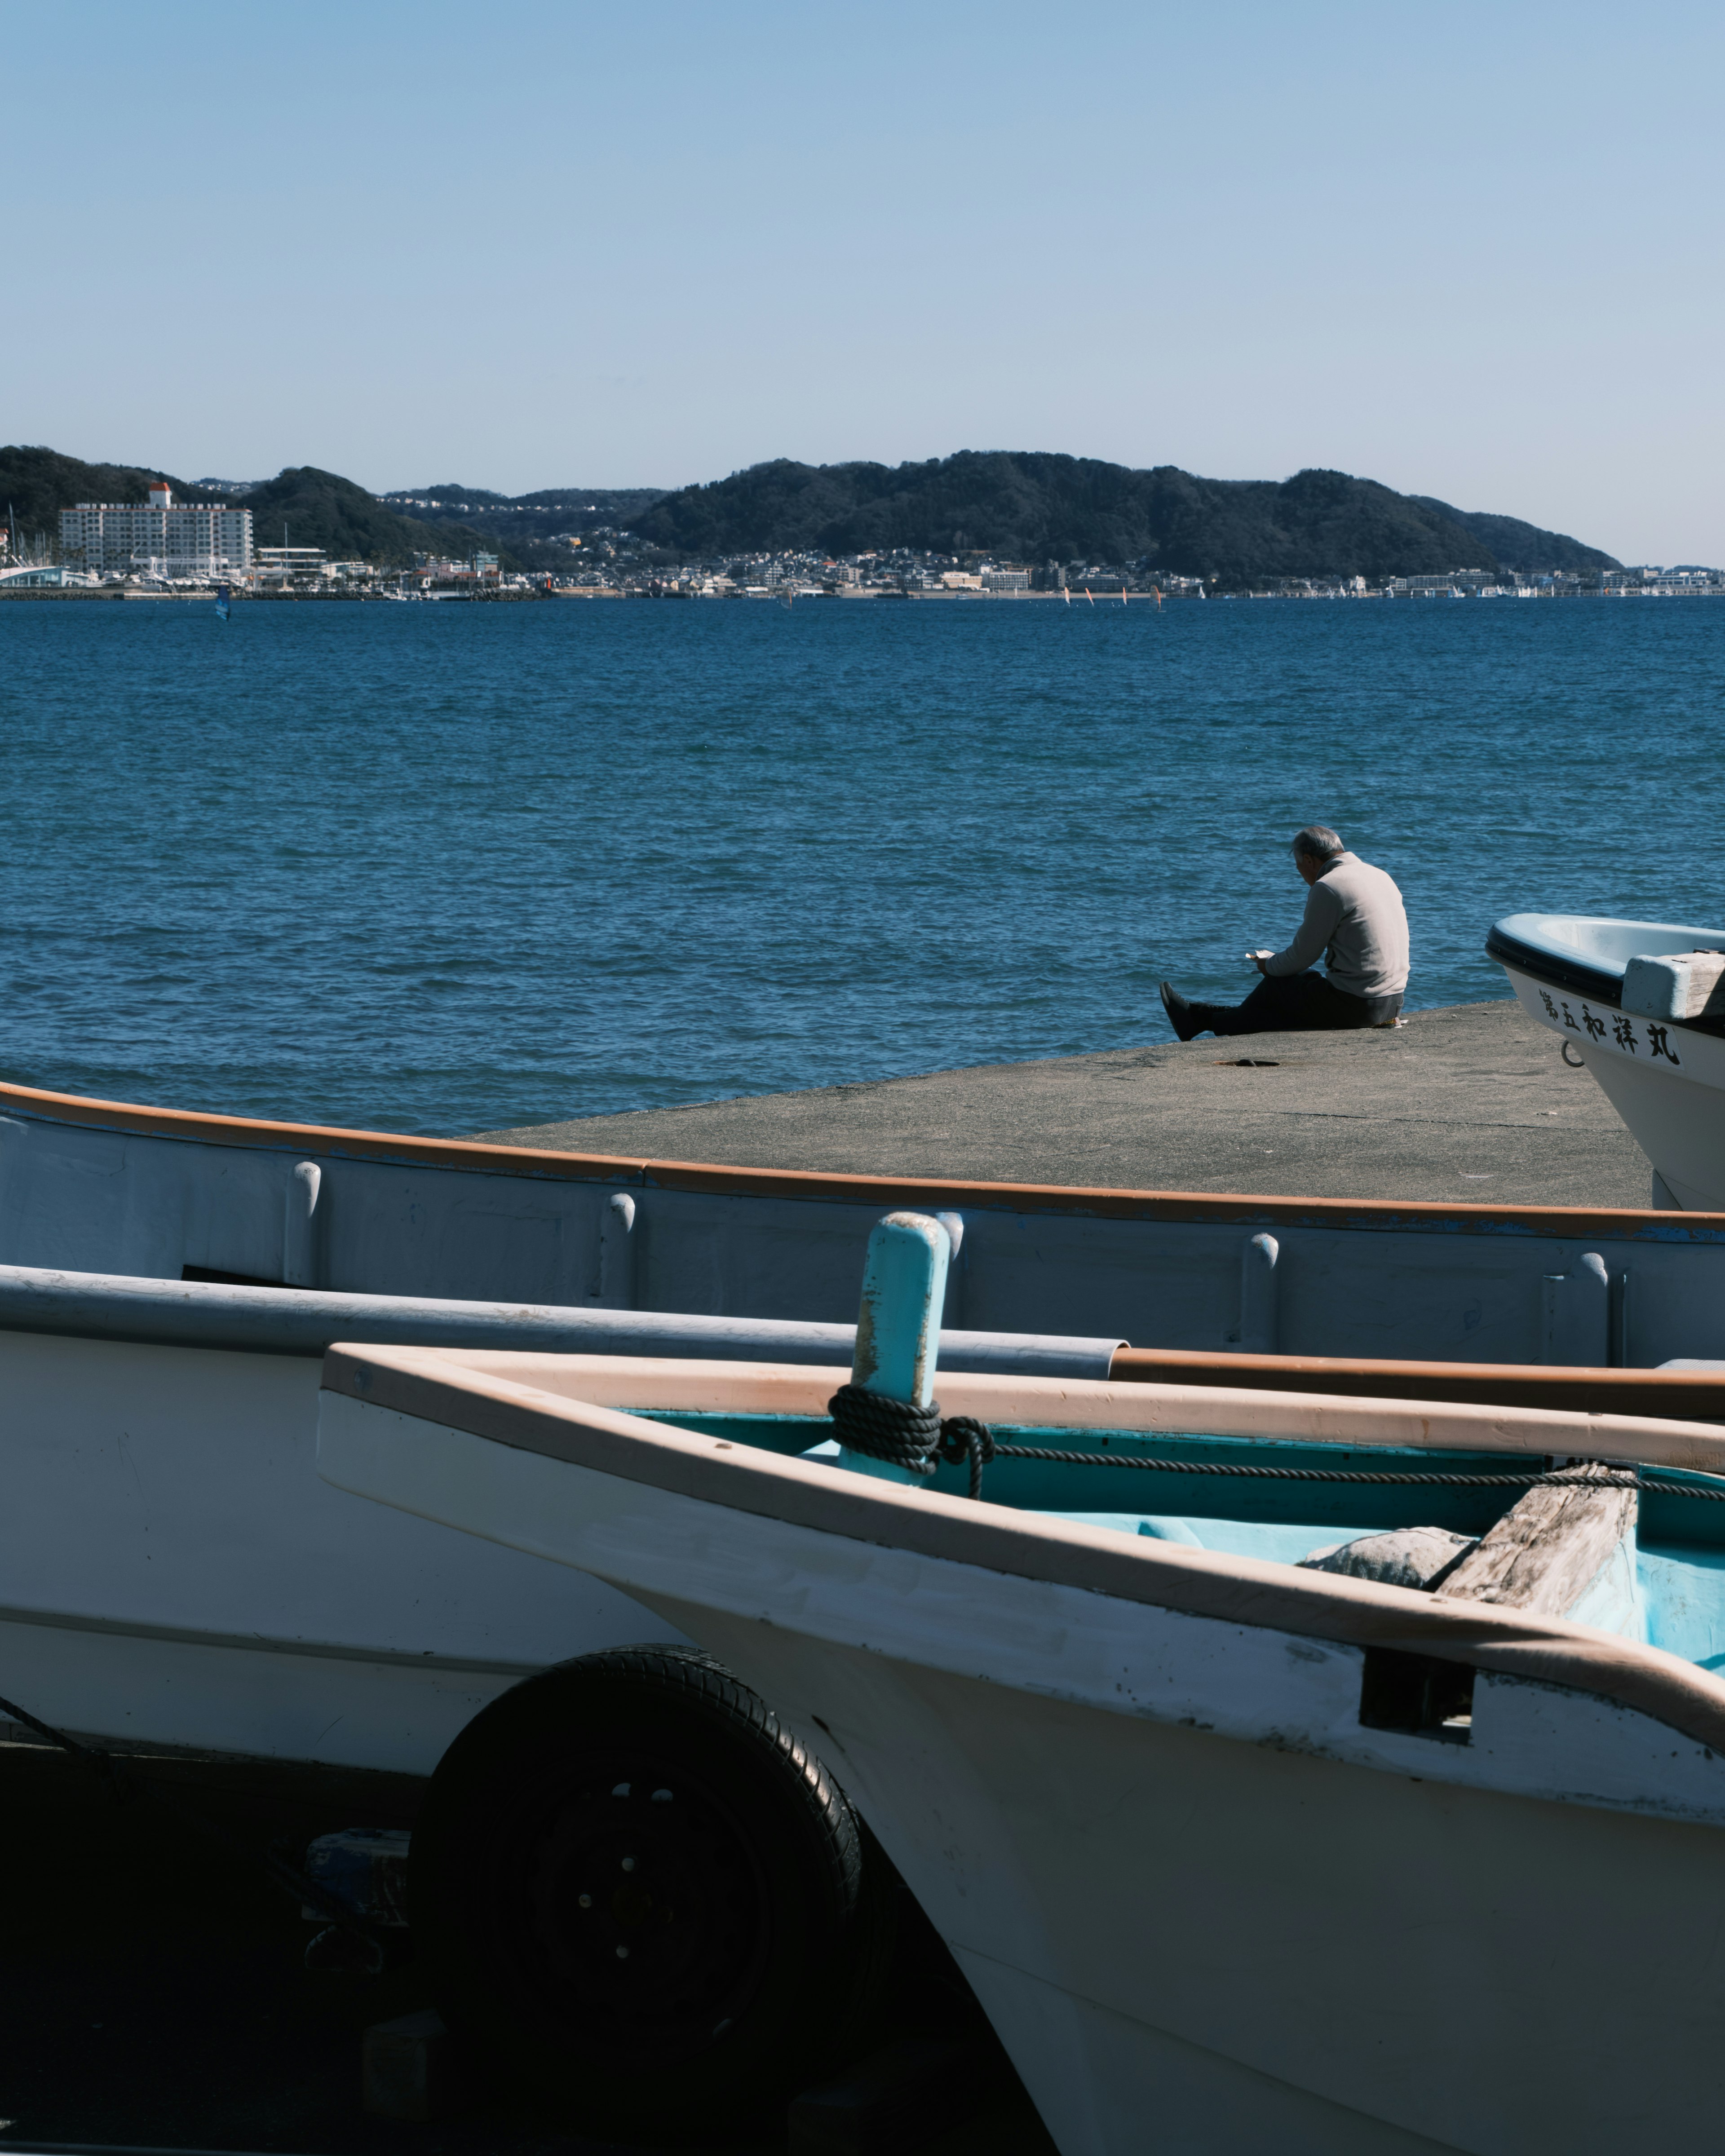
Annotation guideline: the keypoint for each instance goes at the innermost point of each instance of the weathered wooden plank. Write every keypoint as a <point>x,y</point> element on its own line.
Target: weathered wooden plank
<point>1551,1545</point>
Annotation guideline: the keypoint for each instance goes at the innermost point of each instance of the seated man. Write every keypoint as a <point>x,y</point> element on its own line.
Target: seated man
<point>1354,915</point>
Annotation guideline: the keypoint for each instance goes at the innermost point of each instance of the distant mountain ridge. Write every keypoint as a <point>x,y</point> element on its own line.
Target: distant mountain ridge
<point>39,483</point>
<point>1026,506</point>
<point>1038,506</point>
<point>1523,547</point>
<point>527,523</point>
<point>322,509</point>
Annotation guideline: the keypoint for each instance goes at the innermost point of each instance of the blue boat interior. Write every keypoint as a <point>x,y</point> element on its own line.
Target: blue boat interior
<point>1676,1599</point>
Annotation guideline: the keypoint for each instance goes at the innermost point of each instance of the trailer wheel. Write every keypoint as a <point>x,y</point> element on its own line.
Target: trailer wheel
<point>644,1903</point>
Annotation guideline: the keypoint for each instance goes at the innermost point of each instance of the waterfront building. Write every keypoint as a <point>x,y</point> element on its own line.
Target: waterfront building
<point>194,539</point>
<point>277,564</point>
<point>1687,580</point>
<point>1453,583</point>
<point>37,576</point>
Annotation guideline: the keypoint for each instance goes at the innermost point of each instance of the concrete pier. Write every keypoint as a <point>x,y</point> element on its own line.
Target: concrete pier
<point>1468,1104</point>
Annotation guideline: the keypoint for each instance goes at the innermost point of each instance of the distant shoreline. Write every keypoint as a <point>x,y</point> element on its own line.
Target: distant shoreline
<point>1078,596</point>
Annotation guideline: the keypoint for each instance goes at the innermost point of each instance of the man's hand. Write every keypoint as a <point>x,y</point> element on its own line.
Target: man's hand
<point>1261,959</point>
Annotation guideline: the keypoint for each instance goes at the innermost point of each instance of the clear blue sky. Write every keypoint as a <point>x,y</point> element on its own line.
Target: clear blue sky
<point>1469,250</point>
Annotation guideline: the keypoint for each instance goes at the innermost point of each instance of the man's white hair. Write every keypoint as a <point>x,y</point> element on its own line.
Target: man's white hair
<point>1317,842</point>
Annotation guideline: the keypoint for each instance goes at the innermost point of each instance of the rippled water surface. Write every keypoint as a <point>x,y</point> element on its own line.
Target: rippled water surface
<point>453,868</point>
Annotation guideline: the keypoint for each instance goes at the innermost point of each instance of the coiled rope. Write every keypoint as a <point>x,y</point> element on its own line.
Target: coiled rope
<point>919,1437</point>
<point>912,1437</point>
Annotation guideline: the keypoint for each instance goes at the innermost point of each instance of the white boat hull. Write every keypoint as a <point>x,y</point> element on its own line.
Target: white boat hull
<point>1204,1904</point>
<point>176,1573</point>
<point>1236,1946</point>
<point>93,1187</point>
<point>1665,1080</point>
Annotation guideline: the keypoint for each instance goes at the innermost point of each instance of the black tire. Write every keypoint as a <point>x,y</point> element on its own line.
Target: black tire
<point>644,1903</point>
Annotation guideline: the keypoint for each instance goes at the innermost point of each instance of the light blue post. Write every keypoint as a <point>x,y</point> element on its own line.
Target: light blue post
<point>898,1328</point>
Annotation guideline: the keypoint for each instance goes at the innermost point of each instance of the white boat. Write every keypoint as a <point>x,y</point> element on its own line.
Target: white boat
<point>108,1187</point>
<point>1236,1854</point>
<point>1642,1004</point>
<point>175,1574</point>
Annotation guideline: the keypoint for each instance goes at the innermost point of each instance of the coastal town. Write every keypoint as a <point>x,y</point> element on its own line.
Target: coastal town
<point>164,548</point>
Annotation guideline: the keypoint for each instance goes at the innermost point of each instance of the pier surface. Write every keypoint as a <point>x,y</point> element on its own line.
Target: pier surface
<point>1472,1104</point>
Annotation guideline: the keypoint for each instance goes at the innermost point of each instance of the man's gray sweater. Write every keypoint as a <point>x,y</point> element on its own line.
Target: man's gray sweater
<point>1354,915</point>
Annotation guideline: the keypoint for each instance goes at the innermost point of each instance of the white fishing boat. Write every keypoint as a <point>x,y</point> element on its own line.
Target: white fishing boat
<point>1641,1004</point>
<point>1271,1852</point>
<point>177,1575</point>
<point>1283,1773</point>
<point>112,1188</point>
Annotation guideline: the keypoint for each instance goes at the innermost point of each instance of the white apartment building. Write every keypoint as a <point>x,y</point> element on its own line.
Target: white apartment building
<point>200,540</point>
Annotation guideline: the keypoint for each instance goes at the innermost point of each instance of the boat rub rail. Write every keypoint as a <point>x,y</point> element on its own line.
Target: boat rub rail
<point>320,1142</point>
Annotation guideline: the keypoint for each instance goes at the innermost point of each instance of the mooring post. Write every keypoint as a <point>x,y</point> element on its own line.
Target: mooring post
<point>898,1328</point>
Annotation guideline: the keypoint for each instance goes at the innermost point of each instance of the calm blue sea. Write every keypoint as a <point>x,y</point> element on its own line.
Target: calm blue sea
<point>454,868</point>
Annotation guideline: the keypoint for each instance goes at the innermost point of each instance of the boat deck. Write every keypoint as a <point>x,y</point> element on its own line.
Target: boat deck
<point>1472,1104</point>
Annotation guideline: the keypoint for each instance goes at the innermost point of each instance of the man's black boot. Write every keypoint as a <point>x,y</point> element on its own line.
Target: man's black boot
<point>1188,1020</point>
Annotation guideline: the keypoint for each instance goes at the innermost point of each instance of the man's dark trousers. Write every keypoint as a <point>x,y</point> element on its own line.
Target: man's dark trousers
<point>1298,1002</point>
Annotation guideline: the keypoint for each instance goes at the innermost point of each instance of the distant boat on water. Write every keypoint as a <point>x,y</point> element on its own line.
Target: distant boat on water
<point>221,603</point>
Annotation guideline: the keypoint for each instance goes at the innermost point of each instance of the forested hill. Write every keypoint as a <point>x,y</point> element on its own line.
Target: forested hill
<point>529,516</point>
<point>39,483</point>
<point>534,528</point>
<point>319,508</point>
<point>322,509</point>
<point>1522,547</point>
<point>1021,507</point>
<point>1035,507</point>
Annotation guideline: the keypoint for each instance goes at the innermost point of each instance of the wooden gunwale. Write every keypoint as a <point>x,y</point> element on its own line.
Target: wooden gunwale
<point>325,1141</point>
<point>1683,1395</point>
